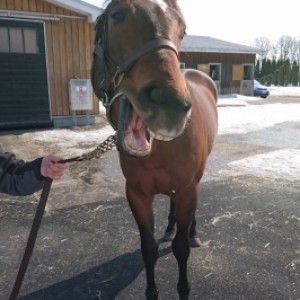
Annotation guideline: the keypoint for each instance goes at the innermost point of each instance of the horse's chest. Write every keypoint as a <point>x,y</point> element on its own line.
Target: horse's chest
<point>157,180</point>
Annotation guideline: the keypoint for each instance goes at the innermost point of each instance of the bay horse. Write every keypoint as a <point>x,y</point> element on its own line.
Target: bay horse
<point>165,118</point>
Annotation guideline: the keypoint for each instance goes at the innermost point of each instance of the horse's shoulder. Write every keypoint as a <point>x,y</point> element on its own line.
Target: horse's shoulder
<point>198,77</point>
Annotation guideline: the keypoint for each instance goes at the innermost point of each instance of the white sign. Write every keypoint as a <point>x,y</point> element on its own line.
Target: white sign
<point>81,94</point>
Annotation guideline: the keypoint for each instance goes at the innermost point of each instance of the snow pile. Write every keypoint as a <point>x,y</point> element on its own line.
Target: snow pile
<point>267,125</point>
<point>243,119</point>
<point>283,164</point>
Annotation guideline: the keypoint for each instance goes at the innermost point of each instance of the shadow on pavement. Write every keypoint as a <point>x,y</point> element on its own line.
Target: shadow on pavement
<point>104,282</point>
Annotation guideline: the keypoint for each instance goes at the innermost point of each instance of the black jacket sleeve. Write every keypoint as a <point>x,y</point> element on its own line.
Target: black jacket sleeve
<point>19,178</point>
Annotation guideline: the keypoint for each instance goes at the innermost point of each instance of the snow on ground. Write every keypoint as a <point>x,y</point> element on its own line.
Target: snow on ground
<point>243,119</point>
<point>284,163</point>
<point>283,91</point>
<point>262,125</point>
<point>265,125</point>
<point>72,141</point>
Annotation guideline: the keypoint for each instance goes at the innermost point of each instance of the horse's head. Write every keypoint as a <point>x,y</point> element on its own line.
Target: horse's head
<point>135,62</point>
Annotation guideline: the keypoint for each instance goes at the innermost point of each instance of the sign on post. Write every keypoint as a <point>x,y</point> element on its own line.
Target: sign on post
<point>81,97</point>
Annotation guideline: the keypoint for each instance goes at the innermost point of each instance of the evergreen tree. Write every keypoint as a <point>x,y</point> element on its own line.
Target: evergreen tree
<point>295,74</point>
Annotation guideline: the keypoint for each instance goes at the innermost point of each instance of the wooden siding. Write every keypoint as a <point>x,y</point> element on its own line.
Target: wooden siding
<point>69,46</point>
<point>227,60</point>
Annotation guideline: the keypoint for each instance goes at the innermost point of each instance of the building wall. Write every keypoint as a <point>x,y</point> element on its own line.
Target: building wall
<point>69,46</point>
<point>229,84</point>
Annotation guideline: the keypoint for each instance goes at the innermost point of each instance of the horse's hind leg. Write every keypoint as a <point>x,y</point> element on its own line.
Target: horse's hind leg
<point>169,234</point>
<point>194,241</point>
<point>141,208</point>
<point>185,210</point>
<point>170,231</point>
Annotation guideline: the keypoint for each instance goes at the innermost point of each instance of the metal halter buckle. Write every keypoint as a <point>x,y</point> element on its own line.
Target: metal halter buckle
<point>117,79</point>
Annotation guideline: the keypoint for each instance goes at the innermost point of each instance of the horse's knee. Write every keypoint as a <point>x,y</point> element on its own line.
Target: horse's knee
<point>181,247</point>
<point>150,252</point>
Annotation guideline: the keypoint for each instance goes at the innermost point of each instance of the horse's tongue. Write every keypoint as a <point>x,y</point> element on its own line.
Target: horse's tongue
<point>135,137</point>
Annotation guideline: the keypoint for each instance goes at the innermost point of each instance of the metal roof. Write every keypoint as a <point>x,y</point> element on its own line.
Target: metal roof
<point>193,43</point>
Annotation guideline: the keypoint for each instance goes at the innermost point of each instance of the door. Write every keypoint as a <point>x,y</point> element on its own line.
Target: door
<point>24,100</point>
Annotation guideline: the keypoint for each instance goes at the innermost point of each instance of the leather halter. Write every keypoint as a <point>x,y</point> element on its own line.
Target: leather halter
<point>122,69</point>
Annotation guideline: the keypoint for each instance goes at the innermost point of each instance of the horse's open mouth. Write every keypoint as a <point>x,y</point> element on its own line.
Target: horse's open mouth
<point>134,137</point>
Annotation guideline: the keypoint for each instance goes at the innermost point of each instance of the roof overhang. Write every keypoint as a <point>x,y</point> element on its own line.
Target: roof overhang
<point>79,6</point>
<point>207,44</point>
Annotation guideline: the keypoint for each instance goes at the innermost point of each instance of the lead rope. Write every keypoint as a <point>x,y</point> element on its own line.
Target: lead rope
<point>105,146</point>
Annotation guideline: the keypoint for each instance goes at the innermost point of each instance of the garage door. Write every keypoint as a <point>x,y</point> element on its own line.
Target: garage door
<point>24,100</point>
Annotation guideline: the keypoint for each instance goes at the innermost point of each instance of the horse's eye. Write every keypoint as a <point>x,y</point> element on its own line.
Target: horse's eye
<point>182,34</point>
<point>118,15</point>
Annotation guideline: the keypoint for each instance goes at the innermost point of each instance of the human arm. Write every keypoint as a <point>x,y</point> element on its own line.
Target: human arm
<point>24,178</point>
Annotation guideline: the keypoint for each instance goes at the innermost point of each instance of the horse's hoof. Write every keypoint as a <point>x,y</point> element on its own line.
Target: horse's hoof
<point>168,236</point>
<point>194,242</point>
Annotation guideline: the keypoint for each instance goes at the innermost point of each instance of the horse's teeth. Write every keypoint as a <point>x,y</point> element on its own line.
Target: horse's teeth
<point>159,137</point>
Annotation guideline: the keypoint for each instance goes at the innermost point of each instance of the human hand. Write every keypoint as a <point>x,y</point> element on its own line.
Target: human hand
<point>51,168</point>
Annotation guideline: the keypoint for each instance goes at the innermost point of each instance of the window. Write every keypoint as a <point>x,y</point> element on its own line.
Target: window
<point>215,71</point>
<point>182,66</point>
<point>248,72</point>
<point>18,40</point>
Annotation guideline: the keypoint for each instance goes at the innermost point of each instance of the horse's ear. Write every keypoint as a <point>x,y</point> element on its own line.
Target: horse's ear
<point>100,28</point>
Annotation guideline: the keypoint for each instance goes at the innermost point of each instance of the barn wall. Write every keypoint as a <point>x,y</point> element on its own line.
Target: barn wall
<point>69,46</point>
<point>228,85</point>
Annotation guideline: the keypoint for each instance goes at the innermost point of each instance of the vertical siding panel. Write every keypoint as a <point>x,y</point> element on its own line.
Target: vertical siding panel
<point>69,48</point>
<point>25,5</point>
<point>81,48</point>
<point>64,101</point>
<point>47,8</point>
<point>3,4</point>
<point>91,35</point>
<point>75,43</point>
<point>18,4</point>
<point>88,50</point>
<point>39,6</point>
<point>32,5</point>
<point>50,66</point>
<point>10,4</point>
<point>56,64</point>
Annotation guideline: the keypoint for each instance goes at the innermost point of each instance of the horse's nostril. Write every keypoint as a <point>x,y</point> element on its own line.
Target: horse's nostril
<point>153,94</point>
<point>158,95</point>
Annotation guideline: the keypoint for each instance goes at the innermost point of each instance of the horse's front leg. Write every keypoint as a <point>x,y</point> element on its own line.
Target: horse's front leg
<point>186,204</point>
<point>141,207</point>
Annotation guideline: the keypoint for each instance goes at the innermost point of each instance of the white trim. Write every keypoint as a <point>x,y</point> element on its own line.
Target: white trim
<point>8,14</point>
<point>79,6</point>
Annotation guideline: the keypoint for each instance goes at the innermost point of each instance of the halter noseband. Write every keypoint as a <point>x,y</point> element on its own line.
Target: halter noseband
<point>120,70</point>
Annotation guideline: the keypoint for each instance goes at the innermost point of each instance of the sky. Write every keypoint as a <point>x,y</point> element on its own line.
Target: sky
<point>239,21</point>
